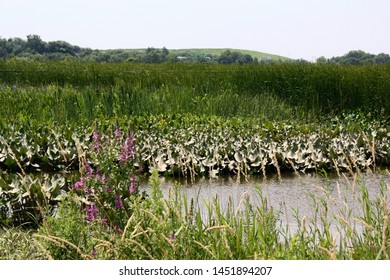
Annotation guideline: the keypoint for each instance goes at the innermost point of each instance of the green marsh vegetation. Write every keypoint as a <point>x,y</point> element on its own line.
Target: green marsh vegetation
<point>75,91</point>
<point>111,123</point>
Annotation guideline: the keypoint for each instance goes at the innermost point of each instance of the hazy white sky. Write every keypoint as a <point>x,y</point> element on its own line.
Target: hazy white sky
<point>293,28</point>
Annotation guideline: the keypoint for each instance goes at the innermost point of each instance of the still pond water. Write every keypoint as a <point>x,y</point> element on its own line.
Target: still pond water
<point>288,195</point>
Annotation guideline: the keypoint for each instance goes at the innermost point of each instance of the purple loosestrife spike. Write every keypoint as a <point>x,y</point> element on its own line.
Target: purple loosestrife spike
<point>96,140</point>
<point>95,136</point>
<point>132,189</point>
<point>118,202</point>
<point>127,149</point>
<point>133,185</point>
<point>118,133</point>
<point>91,212</point>
<point>123,157</point>
<point>80,184</point>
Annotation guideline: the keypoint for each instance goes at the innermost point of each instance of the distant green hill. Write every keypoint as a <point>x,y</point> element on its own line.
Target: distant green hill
<point>217,52</point>
<point>34,48</point>
<point>204,51</point>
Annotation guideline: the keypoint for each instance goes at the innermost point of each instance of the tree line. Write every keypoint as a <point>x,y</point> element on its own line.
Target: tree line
<point>34,48</point>
<point>356,57</point>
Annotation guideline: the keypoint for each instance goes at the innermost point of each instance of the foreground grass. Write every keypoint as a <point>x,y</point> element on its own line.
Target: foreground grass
<point>18,244</point>
<point>174,228</point>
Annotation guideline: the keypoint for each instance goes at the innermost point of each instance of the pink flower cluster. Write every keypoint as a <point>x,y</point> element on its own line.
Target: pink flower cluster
<point>91,212</point>
<point>127,150</point>
<point>133,185</point>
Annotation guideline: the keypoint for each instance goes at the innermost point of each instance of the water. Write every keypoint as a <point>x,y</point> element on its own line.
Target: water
<point>293,194</point>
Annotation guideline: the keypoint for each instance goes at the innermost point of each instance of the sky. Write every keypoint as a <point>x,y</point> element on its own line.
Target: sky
<point>299,29</point>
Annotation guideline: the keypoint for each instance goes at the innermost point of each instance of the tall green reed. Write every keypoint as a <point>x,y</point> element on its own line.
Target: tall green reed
<point>90,89</point>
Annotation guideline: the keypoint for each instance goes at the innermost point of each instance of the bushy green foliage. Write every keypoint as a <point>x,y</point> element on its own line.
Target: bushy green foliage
<point>357,57</point>
<point>67,234</point>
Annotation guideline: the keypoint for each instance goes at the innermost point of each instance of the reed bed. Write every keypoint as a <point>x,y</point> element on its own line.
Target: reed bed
<point>75,91</point>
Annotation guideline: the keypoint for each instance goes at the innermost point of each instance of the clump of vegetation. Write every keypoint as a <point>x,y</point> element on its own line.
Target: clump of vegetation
<point>357,57</point>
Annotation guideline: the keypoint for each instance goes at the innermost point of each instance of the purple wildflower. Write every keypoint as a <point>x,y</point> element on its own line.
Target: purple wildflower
<point>88,170</point>
<point>132,189</point>
<point>127,149</point>
<point>108,189</point>
<point>94,252</point>
<point>80,184</point>
<point>95,136</point>
<point>123,157</point>
<point>133,185</point>
<point>91,212</point>
<point>118,133</point>
<point>118,201</point>
<point>96,140</point>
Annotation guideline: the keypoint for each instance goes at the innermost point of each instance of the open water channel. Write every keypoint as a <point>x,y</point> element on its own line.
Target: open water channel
<point>291,194</point>
<point>289,197</point>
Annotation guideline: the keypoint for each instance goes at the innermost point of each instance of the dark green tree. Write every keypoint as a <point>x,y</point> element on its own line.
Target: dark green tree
<point>35,43</point>
<point>62,47</point>
<point>246,59</point>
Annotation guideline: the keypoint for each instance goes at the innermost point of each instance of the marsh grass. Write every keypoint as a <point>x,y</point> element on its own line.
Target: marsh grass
<point>18,244</point>
<point>66,92</point>
<point>67,104</point>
